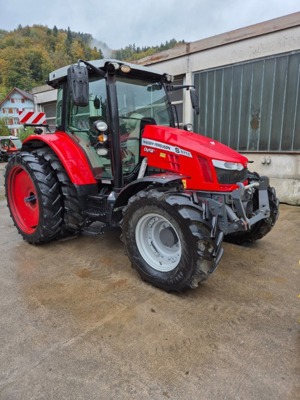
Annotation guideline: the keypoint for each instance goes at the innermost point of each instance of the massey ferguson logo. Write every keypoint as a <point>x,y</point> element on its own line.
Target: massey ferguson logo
<point>154,144</point>
<point>147,150</point>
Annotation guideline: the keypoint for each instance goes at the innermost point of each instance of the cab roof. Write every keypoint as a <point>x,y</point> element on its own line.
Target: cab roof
<point>61,74</point>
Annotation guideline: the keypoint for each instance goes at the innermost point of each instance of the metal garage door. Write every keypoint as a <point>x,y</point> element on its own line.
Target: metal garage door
<point>252,106</point>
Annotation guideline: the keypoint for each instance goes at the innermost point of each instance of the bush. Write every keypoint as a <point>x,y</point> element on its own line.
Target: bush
<point>4,131</point>
<point>25,133</point>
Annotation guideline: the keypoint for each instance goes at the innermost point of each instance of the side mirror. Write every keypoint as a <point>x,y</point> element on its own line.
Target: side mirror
<point>194,100</point>
<point>78,83</point>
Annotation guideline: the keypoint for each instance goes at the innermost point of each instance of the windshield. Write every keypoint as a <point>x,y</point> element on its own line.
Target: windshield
<point>136,98</point>
<point>139,99</point>
<point>11,143</point>
<point>17,143</point>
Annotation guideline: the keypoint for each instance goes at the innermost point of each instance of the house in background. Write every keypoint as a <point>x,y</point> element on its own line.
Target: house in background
<point>17,100</point>
<point>45,101</point>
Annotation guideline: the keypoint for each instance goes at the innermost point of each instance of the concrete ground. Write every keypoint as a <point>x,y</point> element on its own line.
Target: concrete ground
<point>76,322</point>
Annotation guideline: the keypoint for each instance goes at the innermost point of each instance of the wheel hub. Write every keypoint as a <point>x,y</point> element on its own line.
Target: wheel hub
<point>30,199</point>
<point>168,237</point>
<point>158,242</point>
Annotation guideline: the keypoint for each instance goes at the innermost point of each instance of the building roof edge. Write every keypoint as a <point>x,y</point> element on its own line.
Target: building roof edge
<point>251,31</point>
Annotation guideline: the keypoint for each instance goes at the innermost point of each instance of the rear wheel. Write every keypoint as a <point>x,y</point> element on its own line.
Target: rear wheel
<point>167,241</point>
<point>33,198</point>
<point>5,157</point>
<point>73,220</point>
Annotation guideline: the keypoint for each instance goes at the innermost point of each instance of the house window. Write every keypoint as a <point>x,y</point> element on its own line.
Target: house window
<point>12,100</point>
<point>23,100</point>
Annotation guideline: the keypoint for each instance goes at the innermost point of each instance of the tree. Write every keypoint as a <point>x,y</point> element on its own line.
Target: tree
<point>4,131</point>
<point>77,50</point>
<point>25,133</point>
<point>29,53</point>
<point>15,69</point>
<point>69,41</point>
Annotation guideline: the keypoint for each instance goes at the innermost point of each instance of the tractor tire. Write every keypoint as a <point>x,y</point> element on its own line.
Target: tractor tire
<point>73,220</point>
<point>167,241</point>
<point>5,157</point>
<point>261,228</point>
<point>34,198</point>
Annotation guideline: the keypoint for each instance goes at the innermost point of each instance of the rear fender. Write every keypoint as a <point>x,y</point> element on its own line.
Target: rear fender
<point>68,151</point>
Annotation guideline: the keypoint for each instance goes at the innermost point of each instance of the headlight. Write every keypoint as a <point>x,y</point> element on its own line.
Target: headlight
<point>101,126</point>
<point>230,166</point>
<point>188,127</point>
<point>125,68</point>
<point>102,151</point>
<point>230,172</point>
<point>168,78</point>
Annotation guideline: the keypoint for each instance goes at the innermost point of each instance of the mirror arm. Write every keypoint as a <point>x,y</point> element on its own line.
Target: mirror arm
<point>93,68</point>
<point>171,88</point>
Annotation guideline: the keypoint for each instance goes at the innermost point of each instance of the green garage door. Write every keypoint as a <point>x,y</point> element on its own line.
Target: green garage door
<point>252,106</point>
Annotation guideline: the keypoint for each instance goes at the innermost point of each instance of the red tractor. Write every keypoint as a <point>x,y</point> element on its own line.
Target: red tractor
<point>9,145</point>
<point>118,158</point>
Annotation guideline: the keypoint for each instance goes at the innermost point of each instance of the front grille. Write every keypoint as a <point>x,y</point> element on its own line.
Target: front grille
<point>230,177</point>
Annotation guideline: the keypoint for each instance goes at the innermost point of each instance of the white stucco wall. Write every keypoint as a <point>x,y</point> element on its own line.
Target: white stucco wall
<point>45,95</point>
<point>240,51</point>
<point>283,171</point>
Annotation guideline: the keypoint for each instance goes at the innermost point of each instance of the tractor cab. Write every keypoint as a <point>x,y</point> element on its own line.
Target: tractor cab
<point>106,105</point>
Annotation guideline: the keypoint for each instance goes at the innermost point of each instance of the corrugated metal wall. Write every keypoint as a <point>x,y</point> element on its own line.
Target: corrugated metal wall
<point>253,106</point>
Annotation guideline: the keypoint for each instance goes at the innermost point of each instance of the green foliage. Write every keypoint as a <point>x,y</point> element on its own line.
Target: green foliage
<point>23,134</point>
<point>133,53</point>
<point>4,131</point>
<point>28,54</point>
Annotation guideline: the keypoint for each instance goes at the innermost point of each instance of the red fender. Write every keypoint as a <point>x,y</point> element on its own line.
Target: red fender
<point>70,154</point>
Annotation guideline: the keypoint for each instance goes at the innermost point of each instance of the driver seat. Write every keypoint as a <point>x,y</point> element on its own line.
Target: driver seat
<point>146,121</point>
<point>134,144</point>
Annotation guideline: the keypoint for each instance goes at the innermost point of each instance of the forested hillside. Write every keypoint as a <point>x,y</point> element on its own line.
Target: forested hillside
<point>132,53</point>
<point>28,54</point>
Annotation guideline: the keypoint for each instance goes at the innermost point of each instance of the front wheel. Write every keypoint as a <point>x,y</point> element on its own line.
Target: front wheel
<point>167,241</point>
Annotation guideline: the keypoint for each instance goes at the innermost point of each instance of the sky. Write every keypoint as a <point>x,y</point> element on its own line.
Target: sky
<point>143,22</point>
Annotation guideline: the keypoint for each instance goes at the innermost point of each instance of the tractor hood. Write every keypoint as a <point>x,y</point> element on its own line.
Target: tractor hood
<point>204,163</point>
<point>191,142</point>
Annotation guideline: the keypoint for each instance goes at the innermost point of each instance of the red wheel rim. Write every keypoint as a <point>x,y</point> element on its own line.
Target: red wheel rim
<point>23,200</point>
